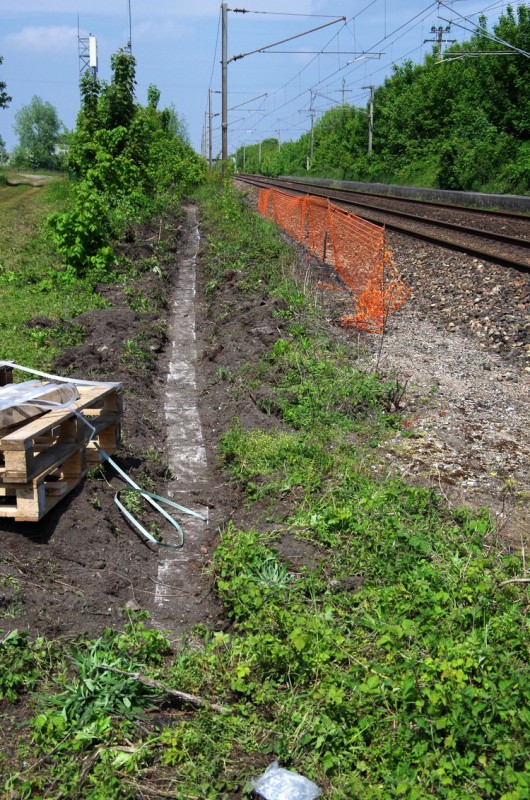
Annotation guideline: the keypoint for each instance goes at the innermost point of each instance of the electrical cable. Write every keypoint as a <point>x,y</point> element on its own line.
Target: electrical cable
<point>412,19</point>
<point>153,499</point>
<point>389,37</point>
<point>283,13</point>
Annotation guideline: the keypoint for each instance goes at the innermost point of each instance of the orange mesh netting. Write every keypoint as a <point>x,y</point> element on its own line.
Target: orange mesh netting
<point>355,248</point>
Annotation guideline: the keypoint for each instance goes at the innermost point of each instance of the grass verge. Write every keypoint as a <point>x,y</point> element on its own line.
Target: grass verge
<point>395,664</point>
<point>31,285</point>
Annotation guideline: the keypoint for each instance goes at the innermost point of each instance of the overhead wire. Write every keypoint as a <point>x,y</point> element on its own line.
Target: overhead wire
<point>426,10</point>
<point>283,13</point>
<point>487,34</point>
<point>348,69</point>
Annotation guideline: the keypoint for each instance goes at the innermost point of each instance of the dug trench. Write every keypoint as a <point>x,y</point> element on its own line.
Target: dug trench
<point>173,341</point>
<point>83,567</point>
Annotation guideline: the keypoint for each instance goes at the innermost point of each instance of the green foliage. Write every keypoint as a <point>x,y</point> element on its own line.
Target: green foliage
<point>117,100</point>
<point>373,645</point>
<point>403,689</point>
<point>38,128</point>
<point>85,705</point>
<point>463,124</point>
<point>81,235</point>
<point>5,99</point>
<point>21,663</point>
<point>395,666</point>
<point>99,690</point>
<point>126,157</point>
<point>31,284</point>
<point>317,385</point>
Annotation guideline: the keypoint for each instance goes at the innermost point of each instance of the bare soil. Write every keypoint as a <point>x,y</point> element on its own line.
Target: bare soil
<point>466,432</point>
<point>82,567</point>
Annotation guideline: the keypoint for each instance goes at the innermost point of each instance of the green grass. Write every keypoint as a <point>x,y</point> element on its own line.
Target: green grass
<point>413,686</point>
<point>30,283</point>
<point>395,666</point>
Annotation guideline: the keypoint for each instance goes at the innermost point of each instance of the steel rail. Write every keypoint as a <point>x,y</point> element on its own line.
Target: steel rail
<point>521,262</point>
<point>333,185</point>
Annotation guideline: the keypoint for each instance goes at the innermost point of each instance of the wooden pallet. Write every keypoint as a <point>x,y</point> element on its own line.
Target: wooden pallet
<point>43,459</point>
<point>29,502</point>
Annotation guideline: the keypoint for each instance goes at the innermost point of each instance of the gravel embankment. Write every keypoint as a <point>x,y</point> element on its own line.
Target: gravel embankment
<point>463,343</point>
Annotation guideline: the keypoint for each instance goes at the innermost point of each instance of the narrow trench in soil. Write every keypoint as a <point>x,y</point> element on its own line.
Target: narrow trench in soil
<point>179,588</point>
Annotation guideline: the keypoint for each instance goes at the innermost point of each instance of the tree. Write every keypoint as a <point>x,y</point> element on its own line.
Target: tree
<point>4,101</point>
<point>117,104</point>
<point>175,124</point>
<point>4,97</point>
<point>39,129</point>
<point>124,157</point>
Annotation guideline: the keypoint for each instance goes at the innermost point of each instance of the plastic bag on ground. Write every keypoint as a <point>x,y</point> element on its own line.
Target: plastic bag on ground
<point>277,783</point>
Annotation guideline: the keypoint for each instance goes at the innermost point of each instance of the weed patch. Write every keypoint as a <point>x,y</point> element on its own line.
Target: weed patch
<point>30,283</point>
<point>395,667</point>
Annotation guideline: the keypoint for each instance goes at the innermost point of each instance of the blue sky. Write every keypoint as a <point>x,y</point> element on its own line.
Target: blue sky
<point>174,42</point>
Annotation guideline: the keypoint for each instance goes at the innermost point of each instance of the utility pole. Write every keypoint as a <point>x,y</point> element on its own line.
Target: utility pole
<point>279,142</point>
<point>439,41</point>
<point>225,61</point>
<point>371,117</point>
<point>312,146</point>
<point>224,85</point>
<point>259,156</point>
<point>344,91</point>
<point>129,43</point>
<point>210,132</point>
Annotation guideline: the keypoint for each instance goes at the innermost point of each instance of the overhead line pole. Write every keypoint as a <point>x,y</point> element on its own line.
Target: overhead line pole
<point>440,41</point>
<point>210,132</point>
<point>371,117</point>
<point>130,28</point>
<point>312,147</point>
<point>225,61</point>
<point>289,38</point>
<point>224,85</point>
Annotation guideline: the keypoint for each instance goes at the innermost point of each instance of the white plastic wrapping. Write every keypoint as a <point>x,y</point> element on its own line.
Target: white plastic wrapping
<point>278,783</point>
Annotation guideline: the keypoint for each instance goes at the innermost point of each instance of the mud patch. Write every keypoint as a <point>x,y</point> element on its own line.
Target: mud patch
<point>82,567</point>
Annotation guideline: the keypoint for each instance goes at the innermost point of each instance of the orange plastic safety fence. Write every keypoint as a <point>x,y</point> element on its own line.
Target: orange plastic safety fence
<point>355,248</point>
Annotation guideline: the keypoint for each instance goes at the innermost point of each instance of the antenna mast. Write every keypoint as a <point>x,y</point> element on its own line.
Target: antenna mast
<point>88,52</point>
<point>129,43</point>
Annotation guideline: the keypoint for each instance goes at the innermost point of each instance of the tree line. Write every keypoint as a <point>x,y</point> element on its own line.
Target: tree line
<point>461,124</point>
<point>126,159</point>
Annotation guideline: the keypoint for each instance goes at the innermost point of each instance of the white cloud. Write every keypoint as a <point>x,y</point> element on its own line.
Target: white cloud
<point>44,39</point>
<point>159,30</point>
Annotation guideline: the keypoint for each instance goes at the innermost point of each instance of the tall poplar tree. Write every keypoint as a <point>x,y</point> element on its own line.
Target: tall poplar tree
<point>5,99</point>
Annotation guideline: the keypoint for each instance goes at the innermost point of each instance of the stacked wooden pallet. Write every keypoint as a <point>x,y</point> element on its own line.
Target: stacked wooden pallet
<point>44,454</point>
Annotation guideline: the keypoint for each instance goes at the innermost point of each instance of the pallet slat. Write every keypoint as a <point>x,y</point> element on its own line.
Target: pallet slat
<point>42,460</point>
<point>31,501</point>
<point>33,448</point>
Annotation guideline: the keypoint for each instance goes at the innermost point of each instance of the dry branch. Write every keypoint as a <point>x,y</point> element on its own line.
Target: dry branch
<point>515,580</point>
<point>192,699</point>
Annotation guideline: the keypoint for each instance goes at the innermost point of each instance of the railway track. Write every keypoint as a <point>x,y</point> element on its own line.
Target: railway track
<point>500,236</point>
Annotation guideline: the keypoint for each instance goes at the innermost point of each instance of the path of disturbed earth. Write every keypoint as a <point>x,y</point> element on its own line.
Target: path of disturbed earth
<point>179,588</point>
<point>467,417</point>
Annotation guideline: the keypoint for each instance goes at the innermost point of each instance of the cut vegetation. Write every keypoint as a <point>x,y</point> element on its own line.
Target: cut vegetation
<point>371,638</point>
<point>371,641</point>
